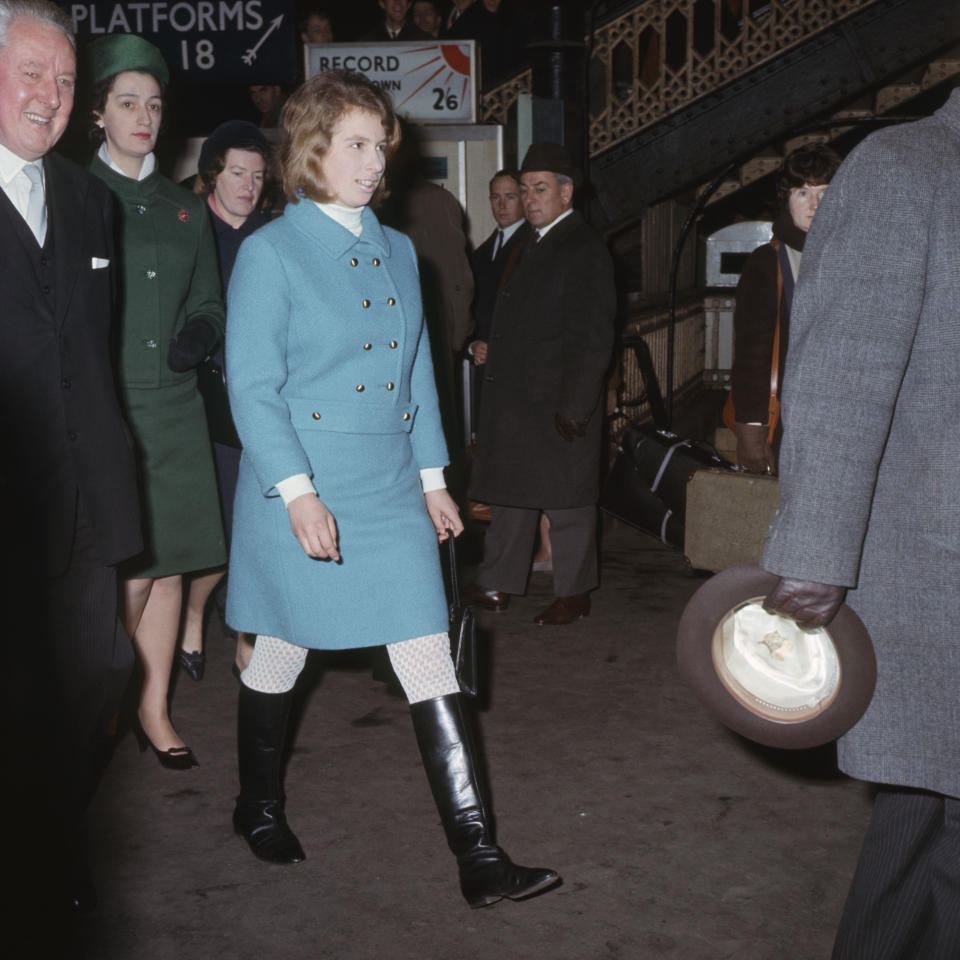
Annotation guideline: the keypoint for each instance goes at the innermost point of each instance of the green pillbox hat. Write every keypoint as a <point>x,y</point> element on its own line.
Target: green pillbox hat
<point>118,52</point>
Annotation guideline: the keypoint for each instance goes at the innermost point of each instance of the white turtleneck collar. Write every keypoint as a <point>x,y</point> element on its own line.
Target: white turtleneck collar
<point>147,167</point>
<point>347,217</point>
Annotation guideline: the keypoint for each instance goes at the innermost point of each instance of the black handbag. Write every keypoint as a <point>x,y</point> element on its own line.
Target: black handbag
<point>213,389</point>
<point>463,629</point>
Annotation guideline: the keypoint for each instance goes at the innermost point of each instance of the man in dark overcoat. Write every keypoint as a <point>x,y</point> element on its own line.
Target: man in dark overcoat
<point>540,424</point>
<point>68,501</point>
<point>870,506</point>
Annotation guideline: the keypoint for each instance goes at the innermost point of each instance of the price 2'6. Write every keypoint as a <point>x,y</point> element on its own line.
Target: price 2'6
<point>445,100</point>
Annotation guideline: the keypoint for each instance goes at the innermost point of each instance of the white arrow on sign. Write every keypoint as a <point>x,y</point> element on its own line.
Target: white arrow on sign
<point>251,54</point>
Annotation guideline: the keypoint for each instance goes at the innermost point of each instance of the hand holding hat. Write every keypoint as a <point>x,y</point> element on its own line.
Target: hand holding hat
<point>758,653</point>
<point>811,604</point>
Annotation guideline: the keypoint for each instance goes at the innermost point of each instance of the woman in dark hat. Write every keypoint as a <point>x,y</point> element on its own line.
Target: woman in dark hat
<point>341,496</point>
<point>233,167</point>
<point>172,317</point>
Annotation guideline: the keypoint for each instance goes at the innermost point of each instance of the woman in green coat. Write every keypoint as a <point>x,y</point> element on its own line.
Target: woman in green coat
<point>172,317</point>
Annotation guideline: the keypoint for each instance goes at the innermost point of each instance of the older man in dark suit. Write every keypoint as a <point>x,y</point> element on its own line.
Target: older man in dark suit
<point>68,502</point>
<point>540,422</point>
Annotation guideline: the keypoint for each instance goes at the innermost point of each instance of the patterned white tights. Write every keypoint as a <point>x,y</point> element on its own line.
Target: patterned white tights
<point>422,665</point>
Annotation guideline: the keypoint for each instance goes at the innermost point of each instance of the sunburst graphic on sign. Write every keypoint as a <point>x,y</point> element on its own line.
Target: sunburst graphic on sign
<point>448,65</point>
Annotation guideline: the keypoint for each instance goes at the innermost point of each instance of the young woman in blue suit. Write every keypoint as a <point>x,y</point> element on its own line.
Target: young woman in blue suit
<point>340,498</point>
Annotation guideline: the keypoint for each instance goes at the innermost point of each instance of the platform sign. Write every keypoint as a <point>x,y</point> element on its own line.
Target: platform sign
<point>204,41</point>
<point>428,81</point>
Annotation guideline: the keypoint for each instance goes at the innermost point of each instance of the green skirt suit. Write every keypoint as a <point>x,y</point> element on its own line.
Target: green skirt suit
<point>169,276</point>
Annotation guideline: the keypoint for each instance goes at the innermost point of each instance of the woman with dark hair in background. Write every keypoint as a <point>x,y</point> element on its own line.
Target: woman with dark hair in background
<point>341,497</point>
<point>172,317</point>
<point>233,168</point>
<point>763,304</point>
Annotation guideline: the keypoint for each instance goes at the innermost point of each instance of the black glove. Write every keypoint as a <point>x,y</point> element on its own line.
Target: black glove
<point>189,347</point>
<point>569,429</point>
<point>810,603</point>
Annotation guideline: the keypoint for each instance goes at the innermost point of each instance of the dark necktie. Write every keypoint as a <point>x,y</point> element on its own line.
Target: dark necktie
<point>498,243</point>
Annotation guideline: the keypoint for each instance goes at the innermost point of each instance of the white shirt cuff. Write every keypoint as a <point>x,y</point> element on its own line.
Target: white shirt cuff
<point>295,486</point>
<point>432,479</point>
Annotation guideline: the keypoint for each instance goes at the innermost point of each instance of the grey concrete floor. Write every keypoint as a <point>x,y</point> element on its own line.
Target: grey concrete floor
<point>675,838</point>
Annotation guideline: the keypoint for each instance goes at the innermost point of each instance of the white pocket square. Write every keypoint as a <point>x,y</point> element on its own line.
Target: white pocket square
<point>98,263</point>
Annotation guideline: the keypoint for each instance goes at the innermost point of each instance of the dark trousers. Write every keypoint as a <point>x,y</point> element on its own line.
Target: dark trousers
<point>904,900</point>
<point>68,665</point>
<point>508,549</point>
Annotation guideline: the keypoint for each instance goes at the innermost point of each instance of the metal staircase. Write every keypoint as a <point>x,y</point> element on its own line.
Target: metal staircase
<point>678,89</point>
<point>889,99</point>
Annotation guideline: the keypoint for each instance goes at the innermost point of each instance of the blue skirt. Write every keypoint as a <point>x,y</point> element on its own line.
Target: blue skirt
<point>388,585</point>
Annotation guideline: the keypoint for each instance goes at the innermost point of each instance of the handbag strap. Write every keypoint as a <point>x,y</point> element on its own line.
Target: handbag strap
<point>775,356</point>
<point>454,582</point>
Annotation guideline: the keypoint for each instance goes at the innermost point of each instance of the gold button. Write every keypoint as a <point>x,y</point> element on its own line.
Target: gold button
<point>360,388</point>
<point>393,344</point>
<point>390,301</point>
<point>354,261</point>
<point>376,262</point>
<point>316,416</point>
<point>389,384</point>
<point>406,416</point>
<point>366,303</point>
<point>367,346</point>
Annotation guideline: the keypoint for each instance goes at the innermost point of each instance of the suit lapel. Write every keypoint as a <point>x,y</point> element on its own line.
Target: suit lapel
<point>66,198</point>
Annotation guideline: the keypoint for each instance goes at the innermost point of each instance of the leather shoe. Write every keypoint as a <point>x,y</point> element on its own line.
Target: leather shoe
<point>564,610</point>
<point>193,663</point>
<point>496,601</point>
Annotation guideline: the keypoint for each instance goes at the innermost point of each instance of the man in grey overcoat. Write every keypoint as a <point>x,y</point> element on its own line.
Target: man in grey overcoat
<point>540,421</point>
<point>870,506</point>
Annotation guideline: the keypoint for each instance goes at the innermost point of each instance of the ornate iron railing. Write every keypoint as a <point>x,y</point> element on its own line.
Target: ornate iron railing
<point>663,54</point>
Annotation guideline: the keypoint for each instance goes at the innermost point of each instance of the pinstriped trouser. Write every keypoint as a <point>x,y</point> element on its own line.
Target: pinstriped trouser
<point>904,901</point>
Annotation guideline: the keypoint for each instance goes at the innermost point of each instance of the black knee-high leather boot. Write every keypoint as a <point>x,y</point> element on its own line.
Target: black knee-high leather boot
<point>486,872</point>
<point>258,816</point>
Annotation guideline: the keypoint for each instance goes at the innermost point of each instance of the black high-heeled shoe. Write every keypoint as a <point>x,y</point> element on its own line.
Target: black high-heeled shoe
<point>176,758</point>
<point>193,663</point>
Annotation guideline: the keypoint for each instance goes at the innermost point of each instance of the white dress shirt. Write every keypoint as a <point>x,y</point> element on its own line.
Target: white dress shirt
<point>543,231</point>
<point>15,183</point>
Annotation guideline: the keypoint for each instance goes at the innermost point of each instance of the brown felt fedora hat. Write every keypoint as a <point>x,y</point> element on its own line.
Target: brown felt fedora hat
<point>763,676</point>
<point>553,158</point>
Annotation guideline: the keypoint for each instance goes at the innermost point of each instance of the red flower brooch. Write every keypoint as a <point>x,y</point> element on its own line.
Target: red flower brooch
<point>183,216</point>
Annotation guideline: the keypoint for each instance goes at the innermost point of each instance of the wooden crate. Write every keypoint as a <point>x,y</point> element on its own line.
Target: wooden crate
<point>727,518</point>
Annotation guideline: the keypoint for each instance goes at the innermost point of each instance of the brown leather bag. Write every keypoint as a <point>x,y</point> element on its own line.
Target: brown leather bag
<point>773,409</point>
